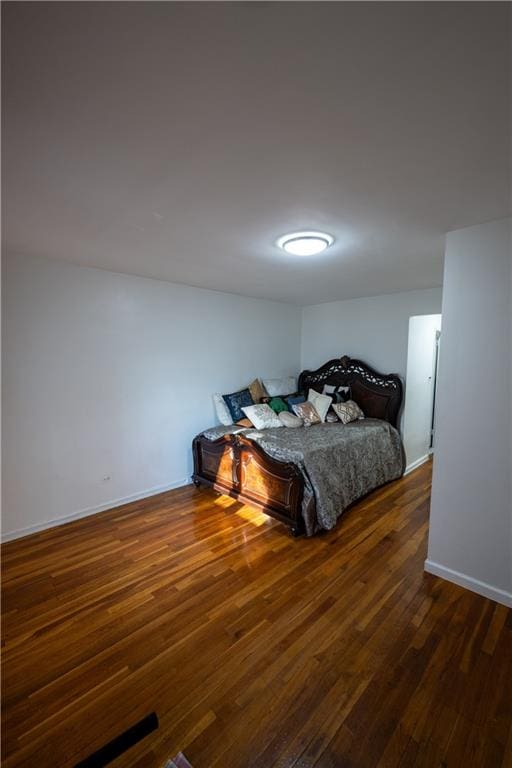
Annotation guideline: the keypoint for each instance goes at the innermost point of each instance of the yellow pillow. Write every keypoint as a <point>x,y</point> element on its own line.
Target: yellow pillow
<point>257,390</point>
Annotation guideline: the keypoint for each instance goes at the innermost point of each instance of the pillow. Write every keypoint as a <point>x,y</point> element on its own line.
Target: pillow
<point>321,403</point>
<point>307,412</point>
<point>280,387</point>
<point>338,394</point>
<point>295,399</point>
<point>222,410</point>
<point>236,401</point>
<point>290,419</point>
<point>262,416</point>
<point>244,423</point>
<point>331,417</point>
<point>349,411</point>
<point>277,404</point>
<point>257,390</point>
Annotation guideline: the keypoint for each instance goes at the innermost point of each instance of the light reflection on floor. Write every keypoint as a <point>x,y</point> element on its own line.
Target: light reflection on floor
<point>247,513</point>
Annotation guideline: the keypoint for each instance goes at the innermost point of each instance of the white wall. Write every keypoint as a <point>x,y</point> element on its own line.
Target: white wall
<point>471,512</point>
<point>375,329</point>
<point>419,392</point>
<point>112,375</point>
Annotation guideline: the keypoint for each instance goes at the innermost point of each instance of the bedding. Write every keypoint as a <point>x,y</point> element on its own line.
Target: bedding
<point>338,394</point>
<point>222,410</point>
<point>277,404</point>
<point>262,416</point>
<point>340,463</point>
<point>280,387</point>
<point>294,399</point>
<point>308,413</point>
<point>257,390</point>
<point>347,412</point>
<point>290,419</point>
<point>235,402</point>
<point>321,403</point>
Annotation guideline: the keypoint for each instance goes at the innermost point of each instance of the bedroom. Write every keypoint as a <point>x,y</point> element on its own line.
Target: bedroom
<point>153,154</point>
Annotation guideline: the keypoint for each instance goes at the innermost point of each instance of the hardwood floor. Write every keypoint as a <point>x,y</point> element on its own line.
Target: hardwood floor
<point>253,648</point>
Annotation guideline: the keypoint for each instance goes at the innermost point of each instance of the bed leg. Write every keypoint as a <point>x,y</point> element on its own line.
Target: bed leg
<point>296,531</point>
<point>197,483</point>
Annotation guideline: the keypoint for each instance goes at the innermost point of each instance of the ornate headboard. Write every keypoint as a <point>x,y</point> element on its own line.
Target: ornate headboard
<point>378,394</point>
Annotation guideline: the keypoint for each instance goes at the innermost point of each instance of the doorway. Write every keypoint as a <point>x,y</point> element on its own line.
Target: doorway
<point>420,388</point>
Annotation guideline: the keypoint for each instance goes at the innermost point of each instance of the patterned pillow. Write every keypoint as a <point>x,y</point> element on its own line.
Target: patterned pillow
<point>257,390</point>
<point>349,411</point>
<point>279,387</point>
<point>222,410</point>
<point>277,404</point>
<point>236,401</point>
<point>290,419</point>
<point>262,416</point>
<point>294,399</point>
<point>338,394</point>
<point>322,403</point>
<point>307,412</point>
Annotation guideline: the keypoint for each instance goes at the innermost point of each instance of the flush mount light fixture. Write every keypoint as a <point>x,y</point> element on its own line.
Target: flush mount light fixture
<point>305,243</point>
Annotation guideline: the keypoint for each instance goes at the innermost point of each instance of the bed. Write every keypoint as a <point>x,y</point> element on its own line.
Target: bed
<point>308,477</point>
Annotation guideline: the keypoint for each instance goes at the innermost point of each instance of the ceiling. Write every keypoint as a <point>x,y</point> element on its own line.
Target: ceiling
<point>179,140</point>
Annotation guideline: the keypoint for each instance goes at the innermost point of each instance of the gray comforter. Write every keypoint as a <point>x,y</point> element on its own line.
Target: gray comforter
<point>340,463</point>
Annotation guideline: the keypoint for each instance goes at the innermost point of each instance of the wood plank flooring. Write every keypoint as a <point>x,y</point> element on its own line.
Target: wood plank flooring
<point>253,648</point>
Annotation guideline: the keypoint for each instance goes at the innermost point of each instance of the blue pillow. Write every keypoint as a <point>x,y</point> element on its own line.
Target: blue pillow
<point>292,400</point>
<point>236,401</point>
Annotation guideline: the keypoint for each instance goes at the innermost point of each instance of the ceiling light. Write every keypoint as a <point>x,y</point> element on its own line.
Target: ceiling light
<point>305,243</point>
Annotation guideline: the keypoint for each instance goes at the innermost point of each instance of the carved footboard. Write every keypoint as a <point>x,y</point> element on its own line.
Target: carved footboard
<point>239,468</point>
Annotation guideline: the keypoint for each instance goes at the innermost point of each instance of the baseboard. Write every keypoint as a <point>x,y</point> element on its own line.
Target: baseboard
<point>17,534</point>
<point>417,463</point>
<point>463,580</point>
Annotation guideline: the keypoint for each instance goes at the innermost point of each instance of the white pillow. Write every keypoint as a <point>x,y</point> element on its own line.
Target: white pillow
<point>222,410</point>
<point>262,416</point>
<point>321,403</point>
<point>279,387</point>
<point>290,419</point>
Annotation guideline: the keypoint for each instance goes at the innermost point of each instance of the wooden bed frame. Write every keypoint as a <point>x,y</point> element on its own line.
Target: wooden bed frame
<point>238,467</point>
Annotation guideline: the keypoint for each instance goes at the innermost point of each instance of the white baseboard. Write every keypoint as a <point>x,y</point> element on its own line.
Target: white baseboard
<point>468,582</point>
<point>417,463</point>
<point>17,534</point>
